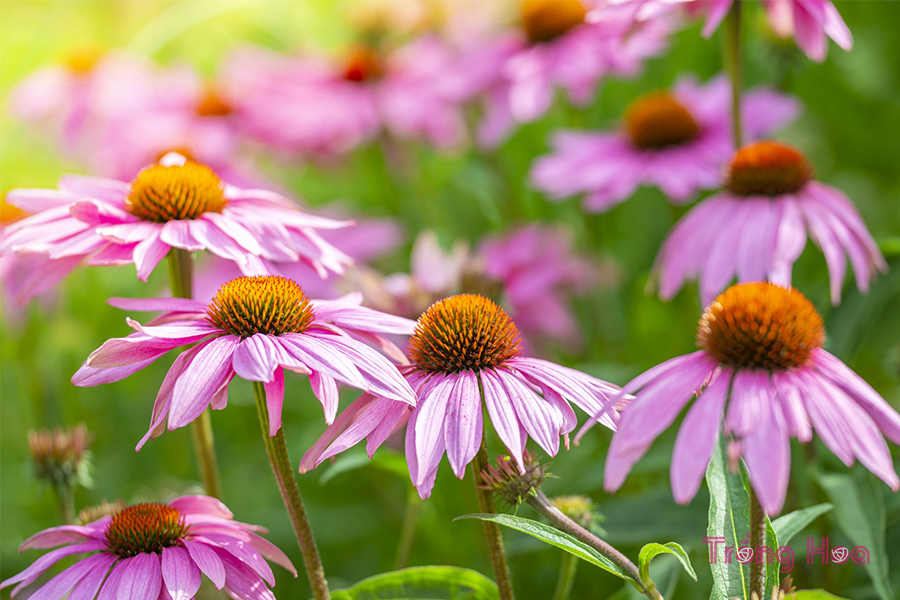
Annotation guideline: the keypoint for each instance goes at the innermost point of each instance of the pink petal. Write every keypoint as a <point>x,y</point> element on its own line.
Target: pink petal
<point>245,553</point>
<point>181,577</point>
<point>141,578</point>
<point>767,452</point>
<point>275,400</point>
<point>463,423</point>
<point>87,588</point>
<point>207,561</point>
<point>325,389</point>
<point>539,418</point>
<point>202,378</point>
<point>256,358</point>
<point>147,255</point>
<point>60,585</point>
<point>429,424</point>
<point>502,414</point>
<point>46,561</point>
<point>201,505</point>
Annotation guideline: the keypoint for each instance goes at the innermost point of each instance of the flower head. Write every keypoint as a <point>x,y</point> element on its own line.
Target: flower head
<point>756,228</point>
<point>465,355</point>
<point>760,378</point>
<point>150,551</point>
<point>255,328</point>
<point>176,203</point>
<point>677,140</point>
<point>513,483</point>
<point>61,457</point>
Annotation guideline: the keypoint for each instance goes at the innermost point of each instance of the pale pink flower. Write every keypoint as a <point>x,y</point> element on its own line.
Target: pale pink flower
<point>155,552</point>
<point>466,357</point>
<point>760,378</point>
<point>678,141</point>
<point>255,328</point>
<point>176,203</point>
<point>403,93</point>
<point>757,228</point>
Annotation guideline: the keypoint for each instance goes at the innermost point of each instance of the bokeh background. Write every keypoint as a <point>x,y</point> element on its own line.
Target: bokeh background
<point>850,129</point>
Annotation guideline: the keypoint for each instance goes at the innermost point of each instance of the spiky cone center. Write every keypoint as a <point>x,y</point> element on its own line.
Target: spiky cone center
<point>145,528</point>
<point>162,193</point>
<point>547,20</point>
<point>362,64</point>
<point>508,484</point>
<point>268,304</point>
<point>213,105</point>
<point>761,326</point>
<point>767,169</point>
<point>461,333</point>
<point>657,120</point>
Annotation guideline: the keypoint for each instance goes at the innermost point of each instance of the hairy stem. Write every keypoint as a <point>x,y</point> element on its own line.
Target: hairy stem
<point>567,569</point>
<point>542,504</point>
<point>757,540</point>
<point>732,58</point>
<point>290,494</point>
<point>65,495</point>
<point>408,530</point>
<point>492,530</point>
<point>181,273</point>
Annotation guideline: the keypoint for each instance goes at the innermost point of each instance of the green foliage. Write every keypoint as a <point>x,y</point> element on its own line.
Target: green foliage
<point>789,525</point>
<point>652,550</point>
<point>422,583</point>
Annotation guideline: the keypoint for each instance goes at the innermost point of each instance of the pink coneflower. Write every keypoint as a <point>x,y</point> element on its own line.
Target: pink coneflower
<point>678,141</point>
<point>757,227</point>
<point>255,328</point>
<point>151,551</point>
<point>369,92</point>
<point>176,203</point>
<point>810,22</point>
<point>762,368</point>
<point>465,355</point>
<point>567,44</point>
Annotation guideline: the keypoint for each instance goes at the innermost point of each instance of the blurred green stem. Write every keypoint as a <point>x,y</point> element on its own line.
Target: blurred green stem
<point>732,58</point>
<point>408,531</point>
<point>757,540</point>
<point>65,495</point>
<point>290,494</point>
<point>567,569</point>
<point>181,272</point>
<point>492,530</point>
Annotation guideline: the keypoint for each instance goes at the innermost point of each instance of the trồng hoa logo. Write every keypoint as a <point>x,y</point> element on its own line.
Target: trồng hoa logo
<point>784,555</point>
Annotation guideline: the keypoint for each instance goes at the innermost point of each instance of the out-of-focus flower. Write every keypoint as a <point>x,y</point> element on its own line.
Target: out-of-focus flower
<point>90,88</point>
<point>255,328</point>
<point>403,93</point>
<point>763,370</point>
<point>810,22</point>
<point>176,203</point>
<point>151,551</point>
<point>15,269</point>
<point>89,514</point>
<point>678,141</point>
<point>582,510</point>
<point>61,457</point>
<point>465,355</point>
<point>532,271</point>
<point>567,44</point>
<point>757,228</point>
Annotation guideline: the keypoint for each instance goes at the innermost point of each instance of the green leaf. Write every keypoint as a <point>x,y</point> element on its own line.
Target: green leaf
<point>859,512</point>
<point>554,537</point>
<point>787,526</point>
<point>814,595</point>
<point>729,518</point>
<point>649,551</point>
<point>423,583</point>
<point>386,461</point>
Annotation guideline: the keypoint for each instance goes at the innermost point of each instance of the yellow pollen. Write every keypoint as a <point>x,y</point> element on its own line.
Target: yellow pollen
<point>162,193</point>
<point>546,20</point>
<point>464,332</point>
<point>762,326</point>
<point>83,60</point>
<point>212,105</point>
<point>767,169</point>
<point>657,120</point>
<point>145,528</point>
<point>362,64</point>
<point>268,304</point>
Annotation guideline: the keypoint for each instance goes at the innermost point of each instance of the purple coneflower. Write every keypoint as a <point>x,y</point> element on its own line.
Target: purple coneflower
<point>678,141</point>
<point>255,328</point>
<point>176,203</point>
<point>762,370</point>
<point>757,227</point>
<point>152,551</point>
<point>465,354</point>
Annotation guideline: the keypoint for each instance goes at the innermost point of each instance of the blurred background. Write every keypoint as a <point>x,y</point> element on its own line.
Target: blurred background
<point>850,129</point>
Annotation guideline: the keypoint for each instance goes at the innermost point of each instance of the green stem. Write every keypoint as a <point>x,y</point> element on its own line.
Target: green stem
<point>757,540</point>
<point>567,569</point>
<point>290,494</point>
<point>732,59</point>
<point>492,530</point>
<point>181,272</point>
<point>65,494</point>
<point>408,530</point>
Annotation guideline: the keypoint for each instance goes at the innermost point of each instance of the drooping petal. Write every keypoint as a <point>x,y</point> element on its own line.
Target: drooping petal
<point>181,577</point>
<point>429,423</point>
<point>256,358</point>
<point>348,416</point>
<point>244,553</point>
<point>201,505</point>
<point>244,581</point>
<point>541,420</point>
<point>59,586</point>
<point>202,378</point>
<point>35,569</point>
<point>325,389</point>
<point>141,578</point>
<point>502,415</point>
<point>767,453</point>
<point>463,423</point>
<point>207,561</point>
<point>87,588</point>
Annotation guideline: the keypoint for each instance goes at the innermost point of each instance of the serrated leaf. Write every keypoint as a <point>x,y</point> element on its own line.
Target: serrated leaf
<point>423,583</point>
<point>729,518</point>
<point>652,550</point>
<point>554,537</point>
<point>787,526</point>
<point>859,512</point>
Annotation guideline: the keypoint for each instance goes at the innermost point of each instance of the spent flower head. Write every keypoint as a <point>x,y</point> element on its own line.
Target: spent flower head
<point>513,483</point>
<point>61,457</point>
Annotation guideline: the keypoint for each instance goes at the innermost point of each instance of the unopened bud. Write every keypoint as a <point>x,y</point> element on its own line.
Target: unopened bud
<point>511,483</point>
